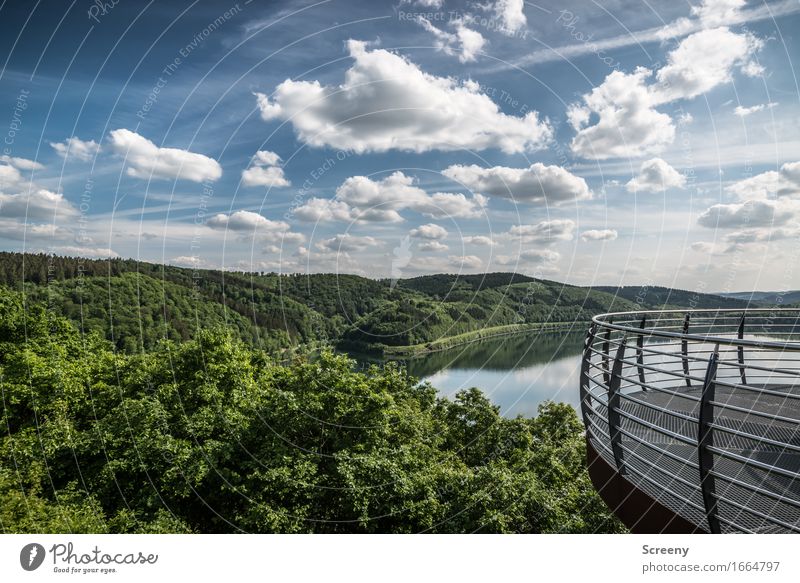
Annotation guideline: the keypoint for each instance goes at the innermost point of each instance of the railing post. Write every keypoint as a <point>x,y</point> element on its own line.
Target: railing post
<point>614,420</point>
<point>685,350</point>
<point>606,349</point>
<point>584,381</point>
<point>740,352</point>
<point>705,440</point>
<point>640,353</point>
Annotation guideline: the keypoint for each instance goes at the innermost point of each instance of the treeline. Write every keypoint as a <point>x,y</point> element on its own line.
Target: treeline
<point>135,304</point>
<point>213,436</point>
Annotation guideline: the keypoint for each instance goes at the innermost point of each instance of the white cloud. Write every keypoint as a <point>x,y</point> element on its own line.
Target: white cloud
<point>386,102</point>
<point>599,235</point>
<point>537,183</point>
<point>39,204</point>
<point>76,148</point>
<point>430,231</point>
<point>480,240</point>
<point>655,175</point>
<point>370,200</point>
<point>544,231</point>
<point>20,163</point>
<point>10,178</point>
<point>464,42</point>
<point>347,243</point>
<point>325,210</point>
<point>91,252</point>
<point>510,14</point>
<point>627,121</point>
<point>709,14</point>
<point>250,224</point>
<point>745,111</point>
<point>21,230</point>
<point>543,255</point>
<point>432,246</point>
<point>627,125</point>
<point>264,171</point>
<point>705,60</point>
<point>144,159</point>
<point>749,214</point>
<point>704,247</point>
<point>783,183</point>
<point>465,262</point>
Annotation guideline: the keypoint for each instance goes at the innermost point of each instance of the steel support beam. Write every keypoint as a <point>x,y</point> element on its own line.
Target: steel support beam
<point>705,440</point>
<point>606,349</point>
<point>640,352</point>
<point>740,352</point>
<point>614,418</point>
<point>584,380</point>
<point>685,350</point>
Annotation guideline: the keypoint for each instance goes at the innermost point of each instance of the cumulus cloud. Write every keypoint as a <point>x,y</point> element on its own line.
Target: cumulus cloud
<point>144,159</point>
<point>360,198</point>
<point>322,210</point>
<point>39,204</point>
<point>462,42</point>
<point>745,111</point>
<point>386,102</point>
<point>465,261</point>
<point>347,243</point>
<point>250,224</point>
<point>264,170</point>
<point>749,214</point>
<point>544,231</point>
<point>783,183</point>
<point>599,235</point>
<point>543,255</point>
<point>432,246</point>
<point>21,230</point>
<point>535,184</point>
<point>704,60</point>
<point>709,14</point>
<point>510,14</point>
<point>91,252</point>
<point>627,125</point>
<point>480,240</point>
<point>20,164</point>
<point>76,148</point>
<point>619,117</point>
<point>655,175</point>
<point>430,231</point>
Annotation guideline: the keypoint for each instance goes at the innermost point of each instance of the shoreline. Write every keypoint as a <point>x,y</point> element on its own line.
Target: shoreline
<point>447,342</point>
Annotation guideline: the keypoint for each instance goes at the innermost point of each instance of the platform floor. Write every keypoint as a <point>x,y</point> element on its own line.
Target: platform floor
<point>672,478</point>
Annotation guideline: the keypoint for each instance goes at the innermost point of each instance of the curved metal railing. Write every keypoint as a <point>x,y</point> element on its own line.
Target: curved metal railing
<point>700,410</point>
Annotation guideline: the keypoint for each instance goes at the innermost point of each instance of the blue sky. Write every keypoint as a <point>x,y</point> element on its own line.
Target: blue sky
<point>623,143</point>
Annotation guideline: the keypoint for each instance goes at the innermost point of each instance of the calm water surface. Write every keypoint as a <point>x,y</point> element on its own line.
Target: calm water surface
<point>515,372</point>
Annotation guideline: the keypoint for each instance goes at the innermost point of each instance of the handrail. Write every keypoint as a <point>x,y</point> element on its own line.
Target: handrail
<point>656,389</point>
<point>793,346</point>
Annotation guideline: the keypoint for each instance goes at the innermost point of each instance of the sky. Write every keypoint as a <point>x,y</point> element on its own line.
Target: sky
<point>628,142</point>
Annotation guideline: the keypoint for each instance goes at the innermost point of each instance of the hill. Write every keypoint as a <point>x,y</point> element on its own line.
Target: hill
<point>769,298</point>
<point>665,297</point>
<point>135,304</point>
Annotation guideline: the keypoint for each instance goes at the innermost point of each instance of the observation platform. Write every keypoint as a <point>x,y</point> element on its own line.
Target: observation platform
<point>693,419</point>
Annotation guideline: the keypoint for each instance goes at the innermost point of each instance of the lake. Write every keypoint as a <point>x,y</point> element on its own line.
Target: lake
<point>515,372</point>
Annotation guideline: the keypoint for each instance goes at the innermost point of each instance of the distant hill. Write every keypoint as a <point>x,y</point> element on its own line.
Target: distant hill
<point>135,304</point>
<point>769,298</point>
<point>664,297</point>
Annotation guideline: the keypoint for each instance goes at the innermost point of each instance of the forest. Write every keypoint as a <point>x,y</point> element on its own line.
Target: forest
<point>136,304</point>
<point>211,435</point>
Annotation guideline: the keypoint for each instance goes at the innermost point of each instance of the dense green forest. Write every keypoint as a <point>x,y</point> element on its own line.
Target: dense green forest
<point>135,304</point>
<point>213,435</point>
